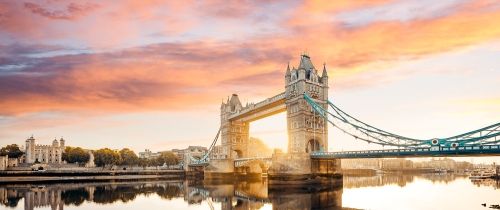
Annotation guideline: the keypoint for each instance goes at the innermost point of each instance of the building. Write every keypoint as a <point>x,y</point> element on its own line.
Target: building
<point>147,154</point>
<point>192,151</point>
<point>35,153</point>
<point>441,163</point>
<point>195,151</point>
<point>4,162</point>
<point>371,163</point>
<point>13,162</point>
<point>396,164</point>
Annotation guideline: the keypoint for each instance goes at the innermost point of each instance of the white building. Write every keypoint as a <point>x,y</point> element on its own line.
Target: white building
<point>4,162</point>
<point>148,154</point>
<point>44,153</point>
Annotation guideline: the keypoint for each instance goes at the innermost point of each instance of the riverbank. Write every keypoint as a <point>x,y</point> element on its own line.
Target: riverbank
<point>91,175</point>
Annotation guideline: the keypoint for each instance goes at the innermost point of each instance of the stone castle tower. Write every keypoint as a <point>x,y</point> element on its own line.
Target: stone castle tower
<point>307,131</point>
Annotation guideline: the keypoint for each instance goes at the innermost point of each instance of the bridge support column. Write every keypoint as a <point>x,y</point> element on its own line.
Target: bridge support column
<point>219,169</point>
<point>300,169</point>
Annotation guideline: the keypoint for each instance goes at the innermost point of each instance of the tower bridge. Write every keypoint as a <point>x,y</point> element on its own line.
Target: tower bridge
<point>308,111</point>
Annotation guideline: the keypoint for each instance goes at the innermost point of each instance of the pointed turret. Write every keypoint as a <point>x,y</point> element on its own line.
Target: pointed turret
<point>288,75</point>
<point>288,69</point>
<point>325,74</point>
<point>62,142</point>
<point>235,103</point>
<point>55,143</point>
<point>305,62</point>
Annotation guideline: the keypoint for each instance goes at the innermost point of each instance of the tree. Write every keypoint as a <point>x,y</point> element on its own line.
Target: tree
<point>12,151</point>
<point>143,162</point>
<point>168,158</point>
<point>128,157</point>
<point>106,156</point>
<point>75,155</point>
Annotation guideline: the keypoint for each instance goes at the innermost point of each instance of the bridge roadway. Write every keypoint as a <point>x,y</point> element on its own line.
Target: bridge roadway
<point>243,161</point>
<point>436,151</point>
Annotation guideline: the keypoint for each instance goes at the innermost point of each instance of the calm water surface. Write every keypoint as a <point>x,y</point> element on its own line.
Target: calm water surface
<point>445,191</point>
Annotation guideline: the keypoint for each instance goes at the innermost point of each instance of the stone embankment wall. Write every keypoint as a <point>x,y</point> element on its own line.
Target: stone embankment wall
<point>86,175</point>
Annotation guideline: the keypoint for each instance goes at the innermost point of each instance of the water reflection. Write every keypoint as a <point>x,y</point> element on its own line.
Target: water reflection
<point>240,195</point>
<point>196,194</point>
<point>495,184</point>
<point>397,179</point>
<point>58,195</point>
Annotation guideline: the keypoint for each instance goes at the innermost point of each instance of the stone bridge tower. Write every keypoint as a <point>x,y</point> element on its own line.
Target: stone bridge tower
<point>307,131</point>
<point>234,133</point>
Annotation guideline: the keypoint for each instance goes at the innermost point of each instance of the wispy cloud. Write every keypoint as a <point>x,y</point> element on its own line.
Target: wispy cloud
<point>70,12</point>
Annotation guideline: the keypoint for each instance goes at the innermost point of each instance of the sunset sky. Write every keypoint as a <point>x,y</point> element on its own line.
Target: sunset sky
<point>152,74</point>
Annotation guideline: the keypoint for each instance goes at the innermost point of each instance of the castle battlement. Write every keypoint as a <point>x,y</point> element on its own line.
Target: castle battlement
<point>44,153</point>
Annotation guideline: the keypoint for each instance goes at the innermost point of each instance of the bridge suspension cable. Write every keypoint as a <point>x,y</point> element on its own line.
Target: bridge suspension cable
<point>205,158</point>
<point>360,130</point>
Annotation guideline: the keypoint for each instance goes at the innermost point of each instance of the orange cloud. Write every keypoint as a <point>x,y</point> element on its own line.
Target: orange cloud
<point>194,73</point>
<point>347,47</point>
<point>72,11</point>
<point>163,76</point>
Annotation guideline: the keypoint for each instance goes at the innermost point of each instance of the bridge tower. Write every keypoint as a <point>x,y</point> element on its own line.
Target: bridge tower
<point>234,133</point>
<point>307,131</point>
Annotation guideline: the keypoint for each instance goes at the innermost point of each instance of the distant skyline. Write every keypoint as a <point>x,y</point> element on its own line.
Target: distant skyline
<point>152,74</point>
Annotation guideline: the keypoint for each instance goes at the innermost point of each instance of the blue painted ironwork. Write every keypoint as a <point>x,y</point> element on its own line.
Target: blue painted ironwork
<point>360,130</point>
<point>204,160</point>
<point>435,151</point>
<point>483,141</point>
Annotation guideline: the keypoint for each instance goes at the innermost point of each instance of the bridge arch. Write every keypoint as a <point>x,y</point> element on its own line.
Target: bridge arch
<point>249,165</point>
<point>313,145</point>
<point>238,153</point>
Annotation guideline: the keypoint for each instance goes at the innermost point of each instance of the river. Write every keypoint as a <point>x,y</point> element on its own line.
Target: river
<point>431,191</point>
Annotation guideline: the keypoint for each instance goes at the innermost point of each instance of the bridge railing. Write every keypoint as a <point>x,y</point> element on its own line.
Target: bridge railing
<point>252,158</point>
<point>251,107</point>
<point>434,150</point>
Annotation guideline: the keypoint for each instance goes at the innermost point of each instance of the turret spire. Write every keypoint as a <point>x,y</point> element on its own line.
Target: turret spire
<point>325,74</point>
<point>288,69</point>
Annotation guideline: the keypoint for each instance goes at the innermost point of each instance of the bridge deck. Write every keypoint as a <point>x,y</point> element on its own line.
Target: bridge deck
<point>470,151</point>
<point>265,108</point>
<point>421,152</point>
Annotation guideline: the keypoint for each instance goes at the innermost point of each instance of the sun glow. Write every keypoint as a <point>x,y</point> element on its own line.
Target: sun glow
<point>272,131</point>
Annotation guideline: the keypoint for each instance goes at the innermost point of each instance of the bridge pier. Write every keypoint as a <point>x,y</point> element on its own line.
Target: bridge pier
<point>219,169</point>
<point>300,169</point>
<point>225,169</point>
